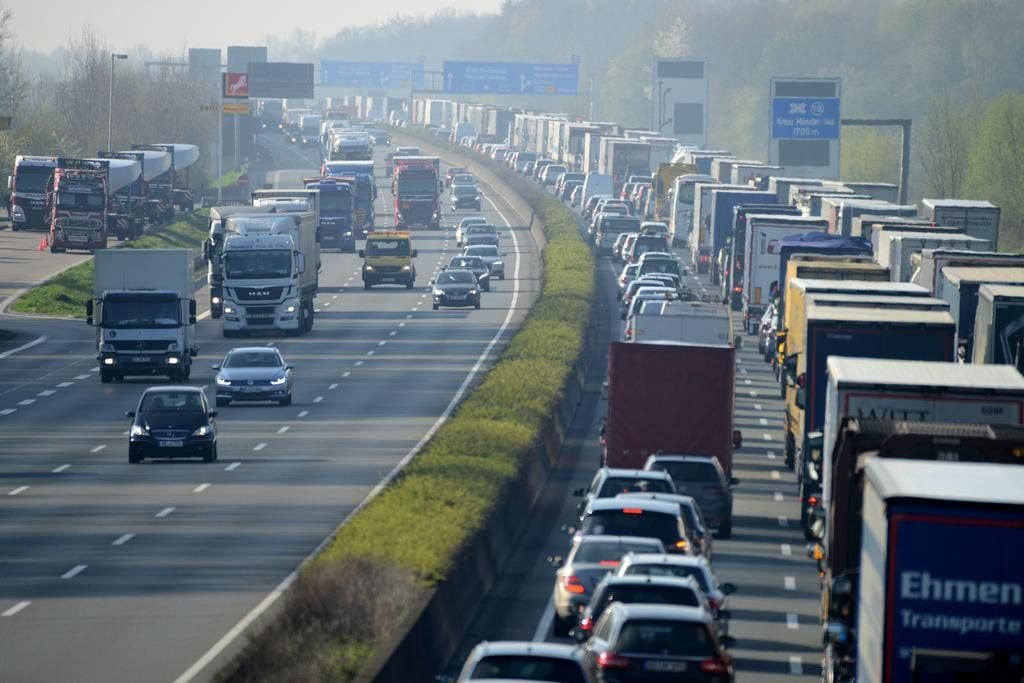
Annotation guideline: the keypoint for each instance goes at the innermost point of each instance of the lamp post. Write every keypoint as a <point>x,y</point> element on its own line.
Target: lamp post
<point>110,101</point>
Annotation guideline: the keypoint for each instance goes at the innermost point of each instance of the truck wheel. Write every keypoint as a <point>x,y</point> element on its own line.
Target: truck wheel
<point>366,284</point>
<point>57,250</point>
<point>106,377</point>
<point>437,306</point>
<point>409,284</point>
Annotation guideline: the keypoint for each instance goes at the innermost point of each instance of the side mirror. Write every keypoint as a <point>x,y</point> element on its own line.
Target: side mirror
<point>212,414</point>
<point>215,366</point>
<point>192,307</point>
<point>728,641</point>
<point>415,253</point>
<point>737,341</point>
<point>733,481</point>
<point>130,414</point>
<point>727,588</point>
<point>289,367</point>
<point>430,282</point>
<point>302,263</point>
<point>556,561</point>
<point>724,614</point>
<point>579,492</point>
<point>206,250</point>
<point>89,321</point>
<point>89,307</point>
<point>737,438</point>
<point>362,253</point>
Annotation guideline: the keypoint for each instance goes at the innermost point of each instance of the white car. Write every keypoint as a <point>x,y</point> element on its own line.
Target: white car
<point>460,232</point>
<point>491,256</point>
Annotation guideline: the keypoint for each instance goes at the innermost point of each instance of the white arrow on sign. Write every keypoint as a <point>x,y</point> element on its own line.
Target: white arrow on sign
<point>450,76</point>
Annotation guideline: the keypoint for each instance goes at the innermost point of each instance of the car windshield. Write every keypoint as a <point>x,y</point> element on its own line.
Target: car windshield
<point>527,668</point>
<point>465,190</point>
<point>652,594</point>
<point>384,247</point>
<point>466,222</point>
<point>456,277</point>
<point>661,265</point>
<point>666,569</point>
<point>269,263</point>
<point>597,552</point>
<point>613,225</point>
<point>129,313</point>
<point>252,359</point>
<point>181,402</point>
<point>646,243</point>
<point>615,485</point>
<point>686,472</point>
<point>463,179</point>
<point>483,250</point>
<point>636,522</point>
<point>663,637</point>
<point>467,262</point>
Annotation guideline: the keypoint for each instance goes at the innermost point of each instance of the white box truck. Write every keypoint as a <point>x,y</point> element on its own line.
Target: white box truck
<point>144,313</point>
<point>975,217</point>
<point>683,322</point>
<point>897,248</point>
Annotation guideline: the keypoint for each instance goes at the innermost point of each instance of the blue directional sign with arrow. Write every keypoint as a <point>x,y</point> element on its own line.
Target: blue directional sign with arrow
<point>371,74</point>
<point>511,78</point>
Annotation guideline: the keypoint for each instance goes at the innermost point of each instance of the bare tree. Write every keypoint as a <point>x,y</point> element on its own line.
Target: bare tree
<point>943,146</point>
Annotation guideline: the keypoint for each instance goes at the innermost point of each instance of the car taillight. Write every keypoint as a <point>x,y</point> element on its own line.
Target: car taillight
<point>681,544</point>
<point>714,666</point>
<point>632,511</point>
<point>609,563</point>
<point>610,660</point>
<point>715,603</point>
<point>704,258</point>
<point>737,290</point>
<point>586,624</point>
<point>813,501</point>
<point>572,584</point>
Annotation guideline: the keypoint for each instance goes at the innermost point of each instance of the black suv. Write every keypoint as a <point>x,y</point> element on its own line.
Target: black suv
<point>172,422</point>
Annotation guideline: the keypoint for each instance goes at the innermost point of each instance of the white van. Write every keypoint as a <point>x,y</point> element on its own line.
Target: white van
<point>596,183</point>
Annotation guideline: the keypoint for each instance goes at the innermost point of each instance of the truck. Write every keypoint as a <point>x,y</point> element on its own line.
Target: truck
<point>923,612</point>
<point>388,259</point>
<point>126,209</point>
<point>753,173</point>
<point>699,241</point>
<point>76,196</point>
<point>646,415</point>
<point>754,276</point>
<point>350,145</point>
<point>730,258</point>
<point>664,185</point>
<point>869,227</point>
<point>337,203</point>
<point>365,191</point>
<point>183,157</point>
<point>622,157</point>
<point>855,332</point>
<point>27,187</point>
<point>269,264</point>
<point>999,325</point>
<point>959,286</point>
<point>157,195</point>
<point>144,313</point>
<point>780,186</point>
<point>977,218</point>
<point>896,249</point>
<point>309,130</point>
<point>213,247</point>
<point>929,273</point>
<point>723,206</point>
<point>680,211</point>
<point>417,186</point>
<point>686,322</point>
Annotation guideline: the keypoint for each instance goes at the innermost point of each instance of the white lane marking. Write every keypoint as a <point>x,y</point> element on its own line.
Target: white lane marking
<point>283,430</point>
<point>382,343</point>
<point>200,488</point>
<point>775,474</point>
<point>8,411</point>
<point>303,413</point>
<point>334,386</point>
<point>326,304</point>
<point>58,470</point>
<point>270,343</point>
<point>47,392</point>
<point>358,363</point>
<point>778,497</point>
<point>408,316</point>
<point>786,549</point>
<point>789,583</point>
<point>334,296</point>
<point>783,520</point>
<point>764,421</point>
<point>26,402</point>
<point>413,309</point>
<point>11,611</point>
<point>20,489</point>
<point>392,333</point>
<point>370,353</point>
<point>74,571</point>
<point>767,436</point>
<point>743,371</point>
<point>275,594</point>
<point>163,513</point>
<point>739,360</point>
<point>401,325</point>
<point>19,349</point>
<point>757,406</point>
<point>81,376</point>
<point>753,394</point>
<point>121,540</point>
<point>97,449</point>
<point>796,665</point>
<point>747,381</point>
<point>259,447</point>
<point>792,622</point>
<point>770,454</point>
<point>545,621</point>
<point>347,373</point>
<point>232,467</point>
<point>95,369</point>
<point>318,399</point>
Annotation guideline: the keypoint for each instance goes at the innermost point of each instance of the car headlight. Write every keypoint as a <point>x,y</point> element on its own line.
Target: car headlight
<point>139,430</point>
<point>221,382</point>
<point>289,308</point>
<point>215,300</point>
<point>369,269</point>
<point>203,430</point>
<point>19,213</point>
<point>278,381</point>
<point>229,309</point>
<point>107,348</point>
<point>406,268</point>
<point>348,234</point>
<point>438,292</point>
<point>473,292</point>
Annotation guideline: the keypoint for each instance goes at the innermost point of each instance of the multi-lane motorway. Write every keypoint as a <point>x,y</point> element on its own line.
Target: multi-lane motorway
<point>118,572</point>
<point>775,612</point>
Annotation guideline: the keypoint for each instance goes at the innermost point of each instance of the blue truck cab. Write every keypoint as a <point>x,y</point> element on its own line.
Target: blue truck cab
<point>337,209</point>
<point>365,191</point>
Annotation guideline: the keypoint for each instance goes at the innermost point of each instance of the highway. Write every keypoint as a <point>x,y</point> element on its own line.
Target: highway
<point>775,611</point>
<point>116,572</point>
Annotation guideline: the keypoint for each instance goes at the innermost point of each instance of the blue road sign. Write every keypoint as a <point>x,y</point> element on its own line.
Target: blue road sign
<point>371,74</point>
<point>805,118</point>
<point>511,78</point>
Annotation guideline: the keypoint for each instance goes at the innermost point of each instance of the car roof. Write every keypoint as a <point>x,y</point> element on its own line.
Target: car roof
<point>627,611</point>
<point>526,647</point>
<point>583,539</point>
<point>679,457</point>
<point>651,580</point>
<point>253,349</point>
<point>460,270</point>
<point>175,388</point>
<point>631,473</point>
<point>613,504</point>
<point>675,498</point>
<point>666,558</point>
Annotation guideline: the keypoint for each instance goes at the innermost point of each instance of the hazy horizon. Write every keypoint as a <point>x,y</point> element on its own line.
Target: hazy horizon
<point>123,24</point>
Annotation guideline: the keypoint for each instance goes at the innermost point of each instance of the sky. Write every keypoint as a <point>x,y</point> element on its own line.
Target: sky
<point>44,25</point>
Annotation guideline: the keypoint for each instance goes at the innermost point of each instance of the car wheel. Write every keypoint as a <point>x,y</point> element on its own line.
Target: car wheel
<point>409,284</point>
<point>437,306</point>
<point>286,401</point>
<point>106,377</point>
<point>366,284</point>
<point>725,529</point>
<point>487,287</point>
<point>477,305</point>
<point>212,455</point>
<point>133,456</point>
<point>501,276</point>
<point>222,402</point>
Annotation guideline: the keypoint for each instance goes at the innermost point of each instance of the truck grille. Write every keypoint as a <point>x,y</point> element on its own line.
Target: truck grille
<point>258,293</point>
<point>131,345</point>
<point>388,269</point>
<point>175,434</point>
<point>259,315</point>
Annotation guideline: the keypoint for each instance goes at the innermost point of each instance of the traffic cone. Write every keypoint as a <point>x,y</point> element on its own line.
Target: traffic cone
<point>44,244</point>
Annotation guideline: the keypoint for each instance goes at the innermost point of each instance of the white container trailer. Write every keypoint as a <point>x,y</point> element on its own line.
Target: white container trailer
<point>902,246</point>
<point>976,218</point>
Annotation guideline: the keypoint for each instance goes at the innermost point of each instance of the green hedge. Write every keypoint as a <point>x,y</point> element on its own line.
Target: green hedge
<point>427,515</point>
<point>65,294</point>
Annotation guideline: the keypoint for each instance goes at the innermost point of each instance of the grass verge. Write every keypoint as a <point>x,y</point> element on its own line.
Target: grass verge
<point>65,294</point>
<point>419,524</point>
<point>230,179</point>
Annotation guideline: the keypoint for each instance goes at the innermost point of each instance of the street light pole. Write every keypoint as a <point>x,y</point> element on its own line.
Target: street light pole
<point>110,100</point>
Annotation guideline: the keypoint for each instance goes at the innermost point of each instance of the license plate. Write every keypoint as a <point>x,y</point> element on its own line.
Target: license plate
<point>77,238</point>
<point>177,443</point>
<point>456,296</point>
<point>387,279</point>
<point>662,665</point>
<point>140,359</point>
<point>250,390</point>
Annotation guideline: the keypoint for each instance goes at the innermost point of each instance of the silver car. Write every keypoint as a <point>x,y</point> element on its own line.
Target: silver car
<point>460,231</point>
<point>508,660</point>
<point>702,477</point>
<point>254,373</point>
<point>491,256</point>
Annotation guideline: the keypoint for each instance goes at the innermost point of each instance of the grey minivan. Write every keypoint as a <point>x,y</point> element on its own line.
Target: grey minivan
<point>701,477</point>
